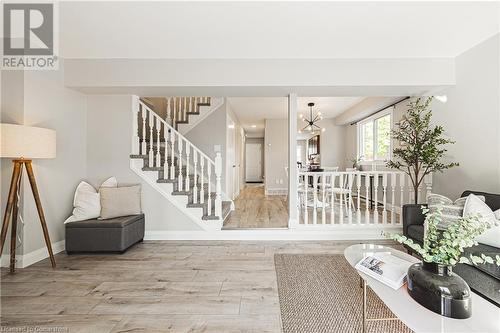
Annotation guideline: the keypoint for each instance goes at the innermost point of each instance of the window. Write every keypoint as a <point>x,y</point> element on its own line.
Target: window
<point>374,137</point>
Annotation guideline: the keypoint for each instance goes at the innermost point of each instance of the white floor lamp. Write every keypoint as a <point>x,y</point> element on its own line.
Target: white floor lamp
<point>22,144</point>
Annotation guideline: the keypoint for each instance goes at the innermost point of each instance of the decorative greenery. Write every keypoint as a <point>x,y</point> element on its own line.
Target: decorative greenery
<point>446,246</point>
<point>355,161</point>
<point>421,148</point>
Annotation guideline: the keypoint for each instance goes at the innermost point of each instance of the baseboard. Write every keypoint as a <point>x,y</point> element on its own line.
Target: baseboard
<point>297,234</point>
<point>29,259</point>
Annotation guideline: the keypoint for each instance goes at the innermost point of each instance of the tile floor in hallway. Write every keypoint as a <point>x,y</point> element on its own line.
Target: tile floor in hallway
<point>156,286</point>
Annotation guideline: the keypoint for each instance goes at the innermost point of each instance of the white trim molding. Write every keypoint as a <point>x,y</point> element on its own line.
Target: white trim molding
<point>28,259</point>
<point>299,233</point>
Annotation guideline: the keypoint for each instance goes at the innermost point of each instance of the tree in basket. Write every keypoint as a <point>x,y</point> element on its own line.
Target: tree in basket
<point>421,149</point>
<point>432,283</point>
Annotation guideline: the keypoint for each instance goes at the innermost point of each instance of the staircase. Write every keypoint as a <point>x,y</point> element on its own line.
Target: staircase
<point>171,164</point>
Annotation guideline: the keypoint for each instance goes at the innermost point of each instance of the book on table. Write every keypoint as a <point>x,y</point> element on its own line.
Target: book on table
<point>385,268</point>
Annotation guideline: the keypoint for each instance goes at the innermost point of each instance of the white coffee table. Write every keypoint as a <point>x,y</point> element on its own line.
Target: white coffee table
<point>485,315</point>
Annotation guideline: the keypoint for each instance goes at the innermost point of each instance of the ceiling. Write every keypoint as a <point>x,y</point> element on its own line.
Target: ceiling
<point>237,30</point>
<point>252,111</point>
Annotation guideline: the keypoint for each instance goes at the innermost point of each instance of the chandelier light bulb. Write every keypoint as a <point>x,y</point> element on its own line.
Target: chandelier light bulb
<point>323,129</point>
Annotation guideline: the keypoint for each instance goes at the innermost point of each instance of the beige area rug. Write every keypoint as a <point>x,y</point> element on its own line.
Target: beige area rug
<point>322,293</point>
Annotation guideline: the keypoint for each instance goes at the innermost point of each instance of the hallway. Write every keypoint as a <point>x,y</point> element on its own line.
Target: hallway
<point>253,209</point>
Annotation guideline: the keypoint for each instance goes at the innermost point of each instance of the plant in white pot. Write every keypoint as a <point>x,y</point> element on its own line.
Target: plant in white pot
<point>432,283</point>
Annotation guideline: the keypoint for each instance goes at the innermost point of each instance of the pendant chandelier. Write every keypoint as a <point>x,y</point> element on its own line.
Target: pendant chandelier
<point>312,125</point>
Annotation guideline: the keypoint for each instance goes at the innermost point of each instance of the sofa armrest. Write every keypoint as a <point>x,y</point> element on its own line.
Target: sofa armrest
<point>412,215</point>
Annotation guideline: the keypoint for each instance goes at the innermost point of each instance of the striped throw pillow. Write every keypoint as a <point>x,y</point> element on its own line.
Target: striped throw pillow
<point>451,210</point>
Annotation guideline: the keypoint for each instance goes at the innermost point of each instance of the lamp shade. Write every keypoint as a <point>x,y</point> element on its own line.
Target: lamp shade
<point>19,141</point>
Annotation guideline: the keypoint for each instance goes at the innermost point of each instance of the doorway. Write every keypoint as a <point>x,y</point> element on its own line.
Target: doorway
<point>254,161</point>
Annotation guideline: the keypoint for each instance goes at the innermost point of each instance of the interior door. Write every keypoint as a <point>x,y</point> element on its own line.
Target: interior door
<point>253,162</point>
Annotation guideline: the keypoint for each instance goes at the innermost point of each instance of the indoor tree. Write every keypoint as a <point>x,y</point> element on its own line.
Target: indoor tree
<point>421,147</point>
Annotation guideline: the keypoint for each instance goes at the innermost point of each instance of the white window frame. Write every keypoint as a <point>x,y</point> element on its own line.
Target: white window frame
<point>374,118</point>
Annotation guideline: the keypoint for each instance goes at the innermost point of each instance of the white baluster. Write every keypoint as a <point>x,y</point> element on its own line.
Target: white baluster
<point>172,156</point>
<point>375,201</point>
<point>188,177</point>
<point>169,112</point>
<point>315,204</point>
<point>402,178</point>
<point>306,190</point>
<point>195,187</point>
<point>332,203</point>
<point>218,187</point>
<point>358,210</point>
<point>209,176</point>
<point>143,145</point>
<point>384,198</point>
<point>209,100</point>
<point>202,180</point>
<point>135,126</point>
<point>180,146</point>
<point>341,203</point>
<point>174,113</point>
<point>184,108</point>
<point>158,147</point>
<point>151,125</point>
<point>393,199</point>
<point>323,198</point>
<point>367,198</point>
<point>428,185</point>
<point>165,151</point>
<point>348,202</point>
<point>411,195</point>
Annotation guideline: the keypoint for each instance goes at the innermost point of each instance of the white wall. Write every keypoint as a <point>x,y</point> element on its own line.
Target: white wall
<point>276,156</point>
<point>38,98</point>
<point>236,135</point>
<point>212,132</point>
<point>471,117</point>
<point>332,144</point>
<point>109,121</point>
<point>47,103</point>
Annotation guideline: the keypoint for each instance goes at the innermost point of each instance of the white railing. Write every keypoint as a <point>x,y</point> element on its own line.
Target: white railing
<point>369,198</point>
<point>178,108</point>
<point>159,138</point>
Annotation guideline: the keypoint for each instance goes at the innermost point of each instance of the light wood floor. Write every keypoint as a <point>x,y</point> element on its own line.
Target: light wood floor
<point>156,286</point>
<point>253,209</point>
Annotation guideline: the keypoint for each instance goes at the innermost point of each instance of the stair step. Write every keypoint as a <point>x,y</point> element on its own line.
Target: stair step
<point>226,208</point>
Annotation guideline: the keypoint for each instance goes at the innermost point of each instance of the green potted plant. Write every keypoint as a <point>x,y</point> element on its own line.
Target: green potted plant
<point>432,282</point>
<point>421,145</point>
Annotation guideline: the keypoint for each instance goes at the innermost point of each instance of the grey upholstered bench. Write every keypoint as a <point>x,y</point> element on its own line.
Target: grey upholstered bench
<point>111,235</point>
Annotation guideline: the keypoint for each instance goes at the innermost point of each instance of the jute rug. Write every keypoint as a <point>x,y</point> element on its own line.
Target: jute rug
<point>322,293</point>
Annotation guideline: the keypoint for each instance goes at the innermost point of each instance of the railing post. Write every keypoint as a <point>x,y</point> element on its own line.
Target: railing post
<point>135,125</point>
<point>218,187</point>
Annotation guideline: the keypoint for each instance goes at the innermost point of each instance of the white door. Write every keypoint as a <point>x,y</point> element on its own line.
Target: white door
<point>253,162</point>
<point>231,158</point>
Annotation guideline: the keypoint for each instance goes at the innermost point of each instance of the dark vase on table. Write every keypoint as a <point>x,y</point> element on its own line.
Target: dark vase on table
<point>437,288</point>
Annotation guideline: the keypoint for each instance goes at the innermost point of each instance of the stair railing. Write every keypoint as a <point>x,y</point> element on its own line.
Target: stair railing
<point>176,146</point>
<point>178,108</point>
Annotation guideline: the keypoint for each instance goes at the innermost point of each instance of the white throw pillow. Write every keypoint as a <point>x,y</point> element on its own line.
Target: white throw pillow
<point>87,201</point>
<point>475,206</point>
<point>120,201</point>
